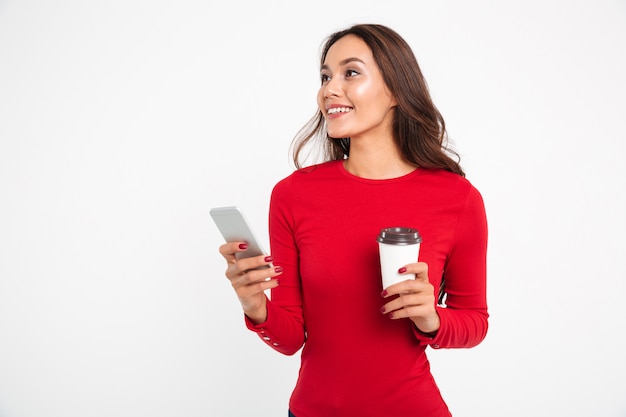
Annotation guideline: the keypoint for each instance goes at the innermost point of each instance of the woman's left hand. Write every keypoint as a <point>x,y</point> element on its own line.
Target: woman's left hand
<point>415,299</point>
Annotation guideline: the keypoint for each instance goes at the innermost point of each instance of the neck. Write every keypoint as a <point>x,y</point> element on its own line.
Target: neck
<point>382,161</point>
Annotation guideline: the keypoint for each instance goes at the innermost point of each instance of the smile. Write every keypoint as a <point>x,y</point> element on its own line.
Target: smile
<point>336,110</point>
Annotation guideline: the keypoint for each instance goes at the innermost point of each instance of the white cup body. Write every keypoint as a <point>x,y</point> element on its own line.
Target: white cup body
<point>394,257</point>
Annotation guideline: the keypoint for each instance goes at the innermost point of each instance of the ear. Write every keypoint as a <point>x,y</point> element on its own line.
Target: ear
<point>394,102</point>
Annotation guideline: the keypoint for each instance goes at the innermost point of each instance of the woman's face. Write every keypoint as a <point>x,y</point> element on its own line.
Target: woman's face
<point>353,96</point>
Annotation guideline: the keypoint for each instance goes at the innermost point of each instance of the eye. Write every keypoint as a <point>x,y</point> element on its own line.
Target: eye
<point>324,78</point>
<point>351,73</point>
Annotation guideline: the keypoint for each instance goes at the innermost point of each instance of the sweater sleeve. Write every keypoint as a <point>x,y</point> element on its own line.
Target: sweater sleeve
<point>464,318</point>
<point>284,328</point>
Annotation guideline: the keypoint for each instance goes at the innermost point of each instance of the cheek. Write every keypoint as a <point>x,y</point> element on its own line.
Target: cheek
<point>376,98</point>
<point>362,91</point>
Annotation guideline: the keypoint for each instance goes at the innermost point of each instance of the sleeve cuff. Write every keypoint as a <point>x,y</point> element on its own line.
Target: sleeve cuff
<point>261,329</point>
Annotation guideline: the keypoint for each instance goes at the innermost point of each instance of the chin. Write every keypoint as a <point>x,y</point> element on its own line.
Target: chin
<point>338,135</point>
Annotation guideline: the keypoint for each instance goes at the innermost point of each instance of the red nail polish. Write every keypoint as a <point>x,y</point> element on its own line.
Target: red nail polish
<point>268,259</point>
<point>243,246</point>
<point>382,309</point>
<point>384,293</point>
<point>402,270</point>
<point>390,315</point>
<point>278,269</point>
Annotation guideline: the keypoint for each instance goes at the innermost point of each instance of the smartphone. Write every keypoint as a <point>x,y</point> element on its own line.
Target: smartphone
<point>234,226</point>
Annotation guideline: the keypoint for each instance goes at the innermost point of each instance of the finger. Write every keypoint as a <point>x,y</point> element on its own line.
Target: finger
<point>241,266</point>
<point>256,288</point>
<point>258,275</point>
<point>409,285</point>
<point>255,262</point>
<point>255,276</point>
<point>398,288</point>
<point>412,312</point>
<point>418,269</point>
<point>230,249</point>
<point>404,301</point>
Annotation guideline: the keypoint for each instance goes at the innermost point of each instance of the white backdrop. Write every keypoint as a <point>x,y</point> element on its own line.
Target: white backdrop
<point>123,122</point>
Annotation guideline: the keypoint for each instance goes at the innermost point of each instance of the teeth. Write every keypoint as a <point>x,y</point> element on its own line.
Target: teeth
<point>339,110</point>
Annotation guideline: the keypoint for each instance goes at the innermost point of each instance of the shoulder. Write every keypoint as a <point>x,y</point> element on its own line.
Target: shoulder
<point>448,180</point>
<point>304,186</point>
<point>445,186</point>
<point>310,175</point>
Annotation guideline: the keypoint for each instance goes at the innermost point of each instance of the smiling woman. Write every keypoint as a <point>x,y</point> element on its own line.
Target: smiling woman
<point>124,122</point>
<point>354,96</point>
<point>385,165</point>
<point>376,56</point>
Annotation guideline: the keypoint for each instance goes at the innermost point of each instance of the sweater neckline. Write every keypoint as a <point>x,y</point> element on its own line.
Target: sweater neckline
<point>350,176</point>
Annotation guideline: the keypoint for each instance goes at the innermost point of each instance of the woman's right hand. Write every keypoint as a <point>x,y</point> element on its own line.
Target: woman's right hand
<point>250,283</point>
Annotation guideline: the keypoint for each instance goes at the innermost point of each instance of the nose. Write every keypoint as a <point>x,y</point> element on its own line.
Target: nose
<point>331,88</point>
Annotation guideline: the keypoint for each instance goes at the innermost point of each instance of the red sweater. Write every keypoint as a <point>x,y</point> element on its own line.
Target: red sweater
<point>356,361</point>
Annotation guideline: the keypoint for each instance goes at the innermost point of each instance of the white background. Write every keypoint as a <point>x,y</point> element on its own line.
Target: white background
<point>123,122</point>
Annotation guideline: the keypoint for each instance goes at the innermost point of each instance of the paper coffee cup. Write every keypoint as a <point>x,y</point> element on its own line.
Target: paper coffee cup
<point>397,246</point>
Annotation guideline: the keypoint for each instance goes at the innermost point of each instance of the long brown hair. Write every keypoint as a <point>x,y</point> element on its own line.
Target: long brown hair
<point>418,128</point>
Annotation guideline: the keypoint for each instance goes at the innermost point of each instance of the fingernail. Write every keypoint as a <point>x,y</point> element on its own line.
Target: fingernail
<point>390,315</point>
<point>278,269</point>
<point>382,309</point>
<point>268,259</point>
<point>243,246</point>
<point>384,293</point>
<point>402,270</point>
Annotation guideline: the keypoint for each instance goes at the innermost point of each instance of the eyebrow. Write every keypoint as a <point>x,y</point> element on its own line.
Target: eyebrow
<point>345,61</point>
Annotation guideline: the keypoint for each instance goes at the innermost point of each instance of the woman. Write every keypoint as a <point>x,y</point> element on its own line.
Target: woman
<point>386,165</point>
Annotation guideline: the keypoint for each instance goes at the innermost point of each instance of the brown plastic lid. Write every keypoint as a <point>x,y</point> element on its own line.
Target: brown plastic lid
<point>399,236</point>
